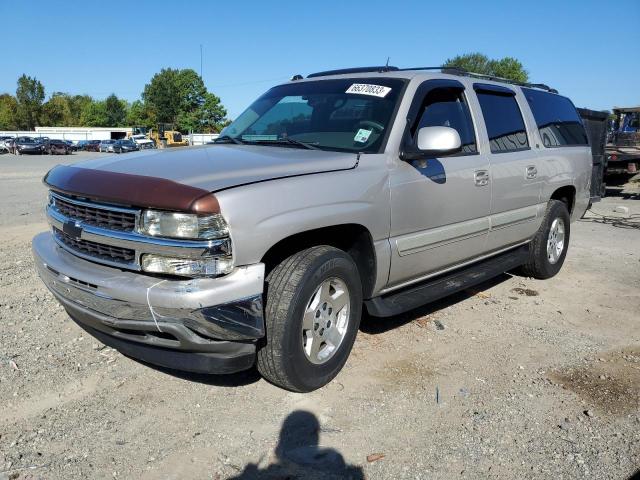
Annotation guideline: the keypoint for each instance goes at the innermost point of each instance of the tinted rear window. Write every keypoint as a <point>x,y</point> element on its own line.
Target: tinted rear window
<point>557,119</point>
<point>503,119</point>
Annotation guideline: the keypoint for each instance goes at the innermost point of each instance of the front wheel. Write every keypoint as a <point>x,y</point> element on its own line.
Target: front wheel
<point>548,248</point>
<point>312,315</point>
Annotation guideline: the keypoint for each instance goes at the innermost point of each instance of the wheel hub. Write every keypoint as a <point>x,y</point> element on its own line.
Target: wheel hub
<point>325,320</point>
<point>555,240</point>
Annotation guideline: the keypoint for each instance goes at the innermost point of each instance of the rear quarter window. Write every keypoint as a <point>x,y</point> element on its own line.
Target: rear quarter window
<point>556,118</point>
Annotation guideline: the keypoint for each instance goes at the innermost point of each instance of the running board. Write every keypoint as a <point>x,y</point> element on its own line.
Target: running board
<point>444,285</point>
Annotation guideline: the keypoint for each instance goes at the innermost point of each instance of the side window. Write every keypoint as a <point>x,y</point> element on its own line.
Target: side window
<point>445,107</point>
<point>556,118</point>
<point>504,122</point>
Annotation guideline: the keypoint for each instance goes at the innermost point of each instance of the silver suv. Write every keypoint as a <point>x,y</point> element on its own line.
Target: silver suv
<point>373,187</point>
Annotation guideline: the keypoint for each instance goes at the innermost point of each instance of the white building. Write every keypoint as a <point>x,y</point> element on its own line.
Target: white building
<point>75,133</point>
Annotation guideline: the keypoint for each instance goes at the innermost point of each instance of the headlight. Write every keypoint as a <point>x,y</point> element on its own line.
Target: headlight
<point>183,225</point>
<point>197,267</point>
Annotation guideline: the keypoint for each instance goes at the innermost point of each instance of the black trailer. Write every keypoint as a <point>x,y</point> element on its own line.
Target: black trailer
<point>595,123</point>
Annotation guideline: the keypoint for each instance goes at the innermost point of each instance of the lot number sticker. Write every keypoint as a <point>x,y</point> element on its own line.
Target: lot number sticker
<point>362,136</point>
<point>368,89</point>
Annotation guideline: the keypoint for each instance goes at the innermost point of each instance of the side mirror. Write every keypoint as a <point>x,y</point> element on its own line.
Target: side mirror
<point>438,140</point>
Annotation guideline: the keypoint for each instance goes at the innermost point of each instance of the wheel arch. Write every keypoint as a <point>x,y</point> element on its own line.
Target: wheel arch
<point>565,194</point>
<point>352,238</point>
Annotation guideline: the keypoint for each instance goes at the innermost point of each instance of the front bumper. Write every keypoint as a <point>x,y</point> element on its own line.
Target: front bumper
<point>206,325</point>
<point>31,150</point>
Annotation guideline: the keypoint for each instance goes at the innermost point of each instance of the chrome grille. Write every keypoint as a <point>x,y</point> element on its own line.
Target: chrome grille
<point>116,219</point>
<point>96,250</point>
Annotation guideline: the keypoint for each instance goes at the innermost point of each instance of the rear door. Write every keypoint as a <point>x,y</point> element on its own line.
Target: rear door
<point>439,206</point>
<point>515,172</point>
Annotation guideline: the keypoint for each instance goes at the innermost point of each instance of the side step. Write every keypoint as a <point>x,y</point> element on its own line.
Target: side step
<point>444,285</point>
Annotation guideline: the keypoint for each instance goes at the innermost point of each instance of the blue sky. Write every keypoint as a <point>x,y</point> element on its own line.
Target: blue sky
<point>102,47</point>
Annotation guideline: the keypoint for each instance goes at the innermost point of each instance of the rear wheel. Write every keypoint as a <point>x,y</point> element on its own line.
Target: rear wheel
<point>312,315</point>
<point>548,248</point>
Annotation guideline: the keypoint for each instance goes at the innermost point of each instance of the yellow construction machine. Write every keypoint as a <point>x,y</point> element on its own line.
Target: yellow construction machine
<point>165,136</point>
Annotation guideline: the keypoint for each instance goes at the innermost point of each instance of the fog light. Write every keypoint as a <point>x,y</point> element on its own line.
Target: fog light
<point>188,267</point>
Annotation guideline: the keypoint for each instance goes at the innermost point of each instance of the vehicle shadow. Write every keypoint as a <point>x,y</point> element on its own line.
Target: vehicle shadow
<point>239,379</point>
<point>299,455</point>
<point>376,325</point>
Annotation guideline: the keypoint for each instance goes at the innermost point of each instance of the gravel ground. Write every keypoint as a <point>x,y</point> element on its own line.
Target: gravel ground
<point>516,379</point>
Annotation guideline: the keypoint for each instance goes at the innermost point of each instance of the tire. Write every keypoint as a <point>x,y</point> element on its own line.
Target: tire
<point>292,288</point>
<point>541,263</point>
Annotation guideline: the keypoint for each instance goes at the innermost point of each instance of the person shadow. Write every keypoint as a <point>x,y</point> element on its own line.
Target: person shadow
<point>298,455</point>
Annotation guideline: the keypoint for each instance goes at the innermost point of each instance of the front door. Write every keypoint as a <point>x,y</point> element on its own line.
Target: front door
<point>439,206</point>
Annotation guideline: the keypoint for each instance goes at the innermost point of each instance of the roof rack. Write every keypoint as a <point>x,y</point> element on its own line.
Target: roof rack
<point>344,71</point>
<point>443,69</point>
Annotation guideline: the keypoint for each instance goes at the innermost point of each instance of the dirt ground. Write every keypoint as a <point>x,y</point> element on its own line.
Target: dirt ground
<point>516,379</point>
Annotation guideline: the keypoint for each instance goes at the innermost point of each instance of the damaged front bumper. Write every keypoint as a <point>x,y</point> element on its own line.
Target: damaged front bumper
<point>206,325</point>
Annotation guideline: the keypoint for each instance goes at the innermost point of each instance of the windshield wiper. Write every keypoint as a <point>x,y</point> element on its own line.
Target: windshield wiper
<point>228,138</point>
<point>290,141</point>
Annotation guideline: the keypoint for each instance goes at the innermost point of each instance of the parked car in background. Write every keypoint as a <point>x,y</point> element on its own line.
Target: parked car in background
<point>5,143</point>
<point>72,146</point>
<point>124,146</point>
<point>54,147</point>
<point>92,146</point>
<point>28,145</point>
<point>9,143</point>
<point>42,141</point>
<point>143,142</point>
<point>81,145</point>
<point>107,146</point>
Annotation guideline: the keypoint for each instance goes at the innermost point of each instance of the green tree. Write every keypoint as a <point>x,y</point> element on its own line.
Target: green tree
<point>507,67</point>
<point>472,62</point>
<point>56,112</point>
<point>180,97</point>
<point>94,114</point>
<point>206,117</point>
<point>191,90</point>
<point>30,95</point>
<point>116,111</point>
<point>511,68</point>
<point>162,95</point>
<point>211,114</point>
<point>77,104</point>
<point>8,112</point>
<point>139,115</point>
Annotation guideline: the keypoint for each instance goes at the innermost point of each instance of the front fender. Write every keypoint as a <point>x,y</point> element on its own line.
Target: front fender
<point>261,214</point>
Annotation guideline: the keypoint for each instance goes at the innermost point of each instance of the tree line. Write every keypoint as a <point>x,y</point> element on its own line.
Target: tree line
<point>506,67</point>
<point>172,96</point>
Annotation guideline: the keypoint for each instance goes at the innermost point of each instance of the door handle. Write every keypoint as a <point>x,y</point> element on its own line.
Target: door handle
<point>532,172</point>
<point>481,178</point>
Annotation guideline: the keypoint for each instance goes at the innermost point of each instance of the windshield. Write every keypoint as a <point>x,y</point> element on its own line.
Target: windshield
<point>345,115</point>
